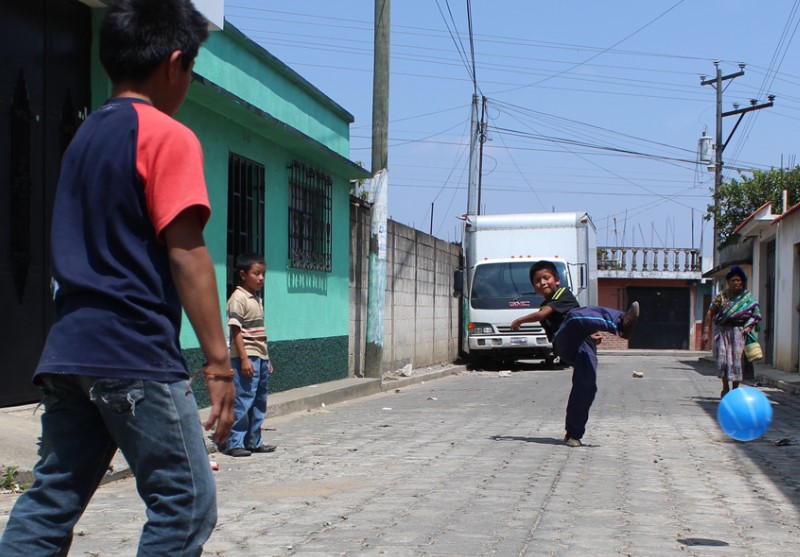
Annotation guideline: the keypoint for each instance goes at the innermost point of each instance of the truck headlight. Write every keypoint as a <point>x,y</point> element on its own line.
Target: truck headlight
<point>481,329</point>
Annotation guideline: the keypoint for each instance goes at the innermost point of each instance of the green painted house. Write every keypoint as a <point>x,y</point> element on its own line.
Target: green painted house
<point>277,168</point>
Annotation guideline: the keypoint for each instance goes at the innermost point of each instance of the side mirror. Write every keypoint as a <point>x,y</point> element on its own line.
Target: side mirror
<point>458,282</point>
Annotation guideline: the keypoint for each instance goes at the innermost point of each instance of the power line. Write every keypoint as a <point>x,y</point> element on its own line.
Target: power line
<point>599,53</point>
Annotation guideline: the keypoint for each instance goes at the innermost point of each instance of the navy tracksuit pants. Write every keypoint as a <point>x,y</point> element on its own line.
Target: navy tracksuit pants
<point>573,345</point>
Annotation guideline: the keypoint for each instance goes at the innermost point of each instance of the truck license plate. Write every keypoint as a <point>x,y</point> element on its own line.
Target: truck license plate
<point>519,340</point>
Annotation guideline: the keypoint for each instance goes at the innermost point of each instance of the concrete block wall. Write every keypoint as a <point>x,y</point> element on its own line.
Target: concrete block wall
<point>421,316</point>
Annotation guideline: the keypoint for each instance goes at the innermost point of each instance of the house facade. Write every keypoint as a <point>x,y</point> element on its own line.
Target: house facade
<point>277,169</point>
<point>669,285</point>
<point>773,241</point>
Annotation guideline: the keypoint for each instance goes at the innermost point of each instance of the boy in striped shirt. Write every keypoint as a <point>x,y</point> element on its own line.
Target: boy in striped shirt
<point>249,358</point>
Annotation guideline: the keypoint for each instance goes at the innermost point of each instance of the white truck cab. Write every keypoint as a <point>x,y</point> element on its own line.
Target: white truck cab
<point>495,285</point>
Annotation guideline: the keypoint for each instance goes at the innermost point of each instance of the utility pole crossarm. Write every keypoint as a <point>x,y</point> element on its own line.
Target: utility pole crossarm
<point>713,81</point>
<point>748,109</point>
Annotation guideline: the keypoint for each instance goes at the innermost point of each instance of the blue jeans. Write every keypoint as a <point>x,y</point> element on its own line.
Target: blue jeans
<point>584,389</point>
<point>251,404</point>
<point>157,428</point>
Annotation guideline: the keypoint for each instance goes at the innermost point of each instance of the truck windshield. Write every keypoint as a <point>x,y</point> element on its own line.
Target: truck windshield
<point>508,285</point>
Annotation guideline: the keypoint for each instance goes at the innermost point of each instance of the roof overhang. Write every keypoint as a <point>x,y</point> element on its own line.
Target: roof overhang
<point>759,221</point>
<point>235,108</point>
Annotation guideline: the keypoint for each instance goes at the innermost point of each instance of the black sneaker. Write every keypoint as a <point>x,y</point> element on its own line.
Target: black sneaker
<point>264,449</point>
<point>238,451</point>
<point>628,322</point>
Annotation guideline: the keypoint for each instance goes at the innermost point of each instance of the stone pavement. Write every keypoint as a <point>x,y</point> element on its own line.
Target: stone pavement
<point>473,465</point>
<point>20,425</point>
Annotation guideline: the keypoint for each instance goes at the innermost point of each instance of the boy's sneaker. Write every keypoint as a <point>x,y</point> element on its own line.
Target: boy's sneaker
<point>570,441</point>
<point>238,451</point>
<point>628,321</point>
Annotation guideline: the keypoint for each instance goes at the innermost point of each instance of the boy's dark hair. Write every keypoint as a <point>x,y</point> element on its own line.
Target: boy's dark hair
<point>243,263</point>
<point>137,35</point>
<point>542,265</point>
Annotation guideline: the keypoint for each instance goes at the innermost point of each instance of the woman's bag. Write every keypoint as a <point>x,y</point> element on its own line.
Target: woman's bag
<point>752,349</point>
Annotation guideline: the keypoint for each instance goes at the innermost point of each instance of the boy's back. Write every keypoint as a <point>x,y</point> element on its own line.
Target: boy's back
<point>128,252</point>
<point>127,172</point>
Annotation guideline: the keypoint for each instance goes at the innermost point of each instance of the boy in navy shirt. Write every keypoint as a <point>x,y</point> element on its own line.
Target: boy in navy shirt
<point>128,256</point>
<point>575,332</point>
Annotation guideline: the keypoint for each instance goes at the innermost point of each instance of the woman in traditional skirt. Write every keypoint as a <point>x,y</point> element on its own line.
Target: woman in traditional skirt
<point>734,313</point>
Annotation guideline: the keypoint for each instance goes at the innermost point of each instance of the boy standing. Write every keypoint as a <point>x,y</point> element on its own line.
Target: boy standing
<point>128,254</point>
<point>575,332</point>
<point>249,357</point>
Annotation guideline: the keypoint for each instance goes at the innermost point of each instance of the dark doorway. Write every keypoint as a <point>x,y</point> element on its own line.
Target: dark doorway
<point>768,306</point>
<point>44,95</point>
<point>665,316</point>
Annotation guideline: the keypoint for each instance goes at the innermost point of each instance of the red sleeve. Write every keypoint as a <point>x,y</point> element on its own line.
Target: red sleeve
<point>169,160</point>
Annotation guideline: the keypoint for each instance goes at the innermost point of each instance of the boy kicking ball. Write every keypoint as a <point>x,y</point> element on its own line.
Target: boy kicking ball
<point>575,332</point>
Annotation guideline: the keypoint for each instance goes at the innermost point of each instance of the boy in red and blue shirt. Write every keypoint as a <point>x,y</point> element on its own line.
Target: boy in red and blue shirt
<point>128,255</point>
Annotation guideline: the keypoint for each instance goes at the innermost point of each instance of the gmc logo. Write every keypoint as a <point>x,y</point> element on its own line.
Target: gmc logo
<point>519,304</point>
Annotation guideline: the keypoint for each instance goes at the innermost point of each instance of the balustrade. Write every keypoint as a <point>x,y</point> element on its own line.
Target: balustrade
<point>661,260</point>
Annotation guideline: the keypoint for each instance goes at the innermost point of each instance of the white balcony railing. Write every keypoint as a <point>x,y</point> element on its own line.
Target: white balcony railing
<point>653,260</point>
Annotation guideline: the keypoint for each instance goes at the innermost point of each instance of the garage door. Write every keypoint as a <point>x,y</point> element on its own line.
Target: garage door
<point>665,318</point>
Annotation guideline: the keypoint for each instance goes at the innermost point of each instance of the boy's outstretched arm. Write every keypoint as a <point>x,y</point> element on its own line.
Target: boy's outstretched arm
<point>531,317</point>
<point>196,283</point>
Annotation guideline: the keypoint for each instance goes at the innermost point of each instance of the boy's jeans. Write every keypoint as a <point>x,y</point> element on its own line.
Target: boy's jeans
<point>573,345</point>
<point>157,428</point>
<point>251,404</point>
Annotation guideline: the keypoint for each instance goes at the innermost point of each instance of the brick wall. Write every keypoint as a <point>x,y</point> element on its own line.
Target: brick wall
<point>421,315</point>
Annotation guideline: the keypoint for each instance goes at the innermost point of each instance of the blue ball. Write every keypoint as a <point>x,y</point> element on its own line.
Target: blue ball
<point>744,413</point>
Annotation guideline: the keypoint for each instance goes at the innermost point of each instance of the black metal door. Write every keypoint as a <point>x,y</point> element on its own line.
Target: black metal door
<point>44,94</point>
<point>664,321</point>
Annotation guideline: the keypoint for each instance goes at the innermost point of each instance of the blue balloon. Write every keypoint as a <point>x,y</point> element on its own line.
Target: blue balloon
<point>744,413</point>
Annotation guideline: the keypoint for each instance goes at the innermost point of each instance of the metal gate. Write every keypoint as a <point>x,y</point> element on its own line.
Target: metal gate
<point>44,94</point>
<point>665,318</point>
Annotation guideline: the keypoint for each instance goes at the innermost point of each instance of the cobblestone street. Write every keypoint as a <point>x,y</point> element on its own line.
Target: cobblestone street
<point>474,465</point>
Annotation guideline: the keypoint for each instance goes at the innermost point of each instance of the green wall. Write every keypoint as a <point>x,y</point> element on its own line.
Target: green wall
<point>262,80</point>
<point>247,102</point>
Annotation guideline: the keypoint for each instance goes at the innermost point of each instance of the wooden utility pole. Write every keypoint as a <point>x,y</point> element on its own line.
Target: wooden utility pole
<point>376,290</point>
<point>720,145</point>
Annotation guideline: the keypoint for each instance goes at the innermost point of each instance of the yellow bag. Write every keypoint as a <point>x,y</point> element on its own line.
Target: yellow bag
<point>752,349</point>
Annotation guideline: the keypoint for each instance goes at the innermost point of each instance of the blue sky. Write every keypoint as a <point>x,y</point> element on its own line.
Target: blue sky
<point>592,106</point>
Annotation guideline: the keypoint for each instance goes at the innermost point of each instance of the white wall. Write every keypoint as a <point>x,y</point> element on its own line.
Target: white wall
<point>787,293</point>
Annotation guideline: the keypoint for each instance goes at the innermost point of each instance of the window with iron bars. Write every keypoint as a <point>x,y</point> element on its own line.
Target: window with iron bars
<point>245,210</point>
<point>309,218</point>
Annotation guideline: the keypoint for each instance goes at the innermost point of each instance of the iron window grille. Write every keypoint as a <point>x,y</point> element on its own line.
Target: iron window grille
<point>245,210</point>
<point>309,218</point>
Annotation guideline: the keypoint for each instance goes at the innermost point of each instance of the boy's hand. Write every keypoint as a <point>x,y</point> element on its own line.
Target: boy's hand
<point>221,393</point>
<point>247,367</point>
<point>515,325</point>
<point>597,338</point>
<point>271,369</point>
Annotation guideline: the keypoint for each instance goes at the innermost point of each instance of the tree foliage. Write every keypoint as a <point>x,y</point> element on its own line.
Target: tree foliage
<point>739,198</point>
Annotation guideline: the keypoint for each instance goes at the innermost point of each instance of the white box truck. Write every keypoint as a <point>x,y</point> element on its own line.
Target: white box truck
<point>495,286</point>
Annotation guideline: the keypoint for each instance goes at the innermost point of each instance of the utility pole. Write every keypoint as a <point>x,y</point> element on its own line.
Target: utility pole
<point>482,140</point>
<point>720,145</point>
<point>376,289</point>
<point>472,184</point>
